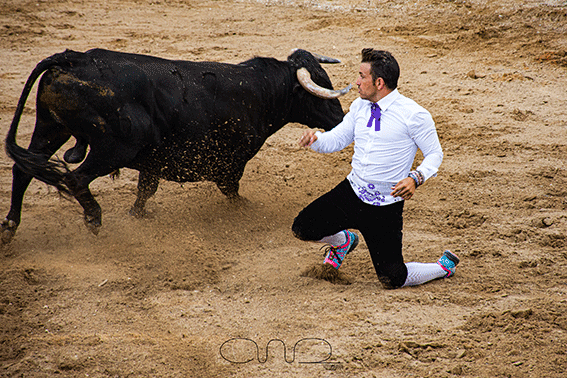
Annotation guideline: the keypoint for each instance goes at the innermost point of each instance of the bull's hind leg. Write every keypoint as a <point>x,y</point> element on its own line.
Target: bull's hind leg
<point>47,138</point>
<point>147,187</point>
<point>92,211</point>
<point>78,182</point>
<point>104,157</point>
<point>20,183</point>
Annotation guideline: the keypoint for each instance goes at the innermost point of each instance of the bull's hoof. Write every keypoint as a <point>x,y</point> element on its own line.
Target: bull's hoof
<point>93,224</point>
<point>137,212</point>
<point>237,198</point>
<point>8,230</point>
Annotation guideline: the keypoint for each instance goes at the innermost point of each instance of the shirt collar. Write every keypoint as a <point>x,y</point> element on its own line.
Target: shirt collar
<point>388,100</point>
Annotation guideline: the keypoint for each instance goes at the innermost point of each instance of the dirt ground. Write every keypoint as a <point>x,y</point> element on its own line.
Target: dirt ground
<point>187,291</point>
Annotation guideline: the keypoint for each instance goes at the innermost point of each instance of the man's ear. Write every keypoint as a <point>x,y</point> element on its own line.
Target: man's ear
<point>379,83</point>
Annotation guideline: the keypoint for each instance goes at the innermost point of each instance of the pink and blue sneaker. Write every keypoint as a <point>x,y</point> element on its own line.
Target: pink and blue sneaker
<point>448,262</point>
<point>336,254</point>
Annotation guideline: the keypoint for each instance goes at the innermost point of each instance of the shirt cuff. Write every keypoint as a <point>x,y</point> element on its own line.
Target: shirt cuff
<point>316,143</point>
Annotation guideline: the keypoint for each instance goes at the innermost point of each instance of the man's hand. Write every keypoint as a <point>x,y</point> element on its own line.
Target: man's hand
<point>308,138</point>
<point>404,188</point>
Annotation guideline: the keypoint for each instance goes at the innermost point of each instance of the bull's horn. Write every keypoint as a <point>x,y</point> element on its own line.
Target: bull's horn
<point>304,78</point>
<point>325,59</point>
<point>321,58</point>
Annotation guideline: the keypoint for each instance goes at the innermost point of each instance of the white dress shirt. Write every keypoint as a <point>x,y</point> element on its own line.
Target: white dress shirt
<point>383,158</point>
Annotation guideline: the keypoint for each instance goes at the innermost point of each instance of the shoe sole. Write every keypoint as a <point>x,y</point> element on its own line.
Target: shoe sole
<point>451,256</point>
<point>454,259</point>
<point>354,244</point>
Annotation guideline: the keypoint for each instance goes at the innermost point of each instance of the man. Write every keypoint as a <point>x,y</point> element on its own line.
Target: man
<point>387,129</point>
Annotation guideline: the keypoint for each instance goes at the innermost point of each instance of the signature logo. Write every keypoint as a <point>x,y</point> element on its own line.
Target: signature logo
<point>240,350</point>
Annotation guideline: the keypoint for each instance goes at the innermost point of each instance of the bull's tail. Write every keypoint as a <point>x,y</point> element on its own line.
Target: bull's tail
<point>51,172</point>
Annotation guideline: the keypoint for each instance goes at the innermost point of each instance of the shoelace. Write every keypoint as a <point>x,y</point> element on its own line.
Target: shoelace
<point>332,250</point>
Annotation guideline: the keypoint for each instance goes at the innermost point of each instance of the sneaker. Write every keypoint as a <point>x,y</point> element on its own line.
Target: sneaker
<point>448,262</point>
<point>335,255</point>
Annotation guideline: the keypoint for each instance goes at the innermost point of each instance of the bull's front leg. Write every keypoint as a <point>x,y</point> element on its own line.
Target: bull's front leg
<point>230,190</point>
<point>147,187</point>
<point>229,185</point>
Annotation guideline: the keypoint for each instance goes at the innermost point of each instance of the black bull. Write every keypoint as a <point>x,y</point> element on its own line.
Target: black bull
<point>177,120</point>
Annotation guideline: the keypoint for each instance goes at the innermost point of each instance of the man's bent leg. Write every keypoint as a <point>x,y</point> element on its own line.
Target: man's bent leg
<point>327,215</point>
<point>326,219</point>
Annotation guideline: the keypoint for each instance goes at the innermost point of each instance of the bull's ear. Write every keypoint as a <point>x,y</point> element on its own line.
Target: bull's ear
<point>296,87</point>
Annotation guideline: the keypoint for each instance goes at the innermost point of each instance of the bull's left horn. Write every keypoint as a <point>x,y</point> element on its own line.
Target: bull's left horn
<point>309,85</point>
<point>325,59</point>
<point>321,58</point>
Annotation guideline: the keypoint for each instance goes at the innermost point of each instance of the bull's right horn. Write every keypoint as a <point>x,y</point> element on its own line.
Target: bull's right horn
<point>309,85</point>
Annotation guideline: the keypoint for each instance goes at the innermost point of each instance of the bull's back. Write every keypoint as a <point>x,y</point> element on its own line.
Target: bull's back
<point>104,93</point>
<point>172,91</point>
<point>150,103</point>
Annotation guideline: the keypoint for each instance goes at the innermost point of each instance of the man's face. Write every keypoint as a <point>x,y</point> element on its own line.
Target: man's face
<point>367,88</point>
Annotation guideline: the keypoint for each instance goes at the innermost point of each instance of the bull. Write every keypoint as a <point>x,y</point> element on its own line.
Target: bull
<point>176,120</point>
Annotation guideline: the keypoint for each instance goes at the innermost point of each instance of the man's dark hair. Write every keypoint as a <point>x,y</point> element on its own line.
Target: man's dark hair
<point>384,65</point>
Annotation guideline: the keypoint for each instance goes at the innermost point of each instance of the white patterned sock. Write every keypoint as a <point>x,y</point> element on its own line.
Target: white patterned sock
<point>419,273</point>
<point>335,240</point>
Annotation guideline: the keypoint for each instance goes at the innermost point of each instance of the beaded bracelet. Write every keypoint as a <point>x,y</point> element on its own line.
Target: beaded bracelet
<point>418,177</point>
<point>421,177</point>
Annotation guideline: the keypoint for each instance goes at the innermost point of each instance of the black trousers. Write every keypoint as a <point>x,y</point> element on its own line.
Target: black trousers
<point>381,227</point>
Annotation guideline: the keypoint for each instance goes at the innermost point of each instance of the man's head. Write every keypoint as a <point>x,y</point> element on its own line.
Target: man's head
<point>379,73</point>
<point>384,65</point>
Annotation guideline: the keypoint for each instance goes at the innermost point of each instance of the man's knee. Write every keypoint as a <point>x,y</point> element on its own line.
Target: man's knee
<point>305,228</point>
<point>392,276</point>
<point>298,229</point>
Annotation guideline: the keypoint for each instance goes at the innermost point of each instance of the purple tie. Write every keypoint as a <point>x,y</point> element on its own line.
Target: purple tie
<point>374,115</point>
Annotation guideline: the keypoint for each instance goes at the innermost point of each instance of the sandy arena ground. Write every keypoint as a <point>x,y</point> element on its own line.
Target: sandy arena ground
<point>158,297</point>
